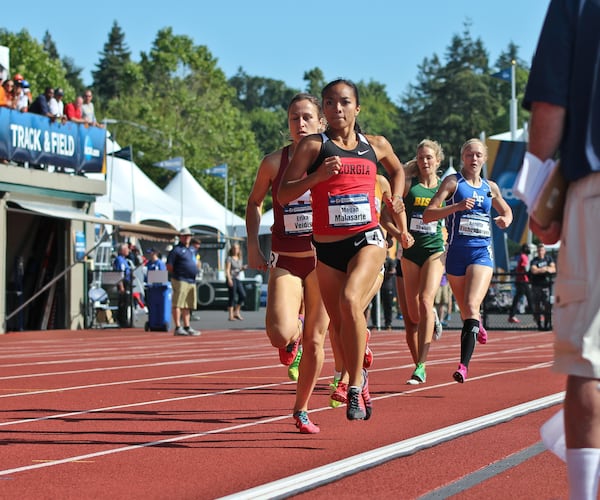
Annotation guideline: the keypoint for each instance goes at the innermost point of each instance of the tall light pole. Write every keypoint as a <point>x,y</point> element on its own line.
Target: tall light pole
<point>110,121</point>
<point>513,101</point>
<point>233,183</point>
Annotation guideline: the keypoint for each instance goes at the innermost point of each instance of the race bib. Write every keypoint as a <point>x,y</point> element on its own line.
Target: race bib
<point>349,210</point>
<point>417,225</point>
<point>297,218</point>
<point>474,225</point>
<point>273,257</point>
<point>372,237</point>
<point>375,237</point>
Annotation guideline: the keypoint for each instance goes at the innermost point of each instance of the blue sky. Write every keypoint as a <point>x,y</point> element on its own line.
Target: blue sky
<point>380,40</point>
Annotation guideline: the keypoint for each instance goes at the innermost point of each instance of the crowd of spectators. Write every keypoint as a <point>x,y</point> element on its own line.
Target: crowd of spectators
<point>15,93</point>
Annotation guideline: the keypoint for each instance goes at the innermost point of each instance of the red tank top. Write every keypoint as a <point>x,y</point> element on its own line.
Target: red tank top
<point>345,203</point>
<point>292,223</point>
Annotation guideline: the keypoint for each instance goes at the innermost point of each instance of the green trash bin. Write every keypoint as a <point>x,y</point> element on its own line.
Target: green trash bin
<point>252,288</point>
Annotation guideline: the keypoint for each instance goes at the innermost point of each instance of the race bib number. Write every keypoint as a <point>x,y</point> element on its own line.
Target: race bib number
<point>349,210</point>
<point>297,218</point>
<point>475,225</point>
<point>273,260</point>
<point>417,225</point>
<point>375,237</point>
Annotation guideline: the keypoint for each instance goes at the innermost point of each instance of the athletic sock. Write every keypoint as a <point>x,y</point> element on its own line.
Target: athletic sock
<point>468,336</point>
<point>583,466</point>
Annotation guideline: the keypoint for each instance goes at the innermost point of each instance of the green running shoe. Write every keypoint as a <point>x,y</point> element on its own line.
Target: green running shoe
<point>293,368</point>
<point>332,387</point>
<point>419,376</point>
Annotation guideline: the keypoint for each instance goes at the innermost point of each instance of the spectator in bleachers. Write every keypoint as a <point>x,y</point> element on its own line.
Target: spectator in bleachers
<point>22,95</point>
<point>7,99</point>
<point>56,104</point>
<point>87,109</point>
<point>41,104</point>
<point>522,289</point>
<point>73,110</point>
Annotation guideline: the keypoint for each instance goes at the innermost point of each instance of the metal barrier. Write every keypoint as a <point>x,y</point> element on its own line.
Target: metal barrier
<point>496,307</point>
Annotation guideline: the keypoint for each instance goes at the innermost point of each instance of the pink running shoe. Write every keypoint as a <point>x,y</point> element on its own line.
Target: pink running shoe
<point>460,375</point>
<point>288,353</point>
<point>341,393</point>
<point>304,425</point>
<point>482,334</point>
<point>368,359</point>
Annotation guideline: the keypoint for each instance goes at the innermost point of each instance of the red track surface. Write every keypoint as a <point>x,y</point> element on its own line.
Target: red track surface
<point>130,414</point>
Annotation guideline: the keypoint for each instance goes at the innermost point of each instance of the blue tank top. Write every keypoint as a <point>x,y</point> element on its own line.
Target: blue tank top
<point>470,228</point>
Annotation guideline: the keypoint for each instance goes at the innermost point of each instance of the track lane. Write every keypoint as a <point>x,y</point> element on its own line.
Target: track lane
<point>254,417</point>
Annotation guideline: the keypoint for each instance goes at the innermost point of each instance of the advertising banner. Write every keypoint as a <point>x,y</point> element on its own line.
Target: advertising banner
<point>504,161</point>
<point>27,137</point>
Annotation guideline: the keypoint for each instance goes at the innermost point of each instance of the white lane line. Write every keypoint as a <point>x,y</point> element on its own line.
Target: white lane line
<point>87,456</point>
<point>144,403</point>
<point>444,433</point>
<point>93,356</point>
<point>328,473</point>
<point>306,481</point>
<point>130,367</point>
<point>138,381</point>
<point>263,386</point>
<point>380,355</point>
<point>172,377</point>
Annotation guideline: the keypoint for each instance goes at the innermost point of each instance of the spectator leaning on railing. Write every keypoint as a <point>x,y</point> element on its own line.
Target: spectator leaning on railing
<point>41,104</point>
<point>73,110</point>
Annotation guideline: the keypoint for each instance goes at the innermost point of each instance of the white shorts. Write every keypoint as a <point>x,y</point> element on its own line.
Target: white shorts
<point>577,287</point>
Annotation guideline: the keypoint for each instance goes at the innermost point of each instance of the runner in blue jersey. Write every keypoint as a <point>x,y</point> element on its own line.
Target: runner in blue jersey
<point>469,262</point>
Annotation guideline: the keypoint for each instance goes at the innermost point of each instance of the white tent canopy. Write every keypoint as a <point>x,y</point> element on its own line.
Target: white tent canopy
<point>521,135</point>
<point>266,221</point>
<point>132,196</point>
<point>201,205</point>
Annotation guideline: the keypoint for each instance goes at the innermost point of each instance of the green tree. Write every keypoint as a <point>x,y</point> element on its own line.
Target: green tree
<point>315,81</point>
<point>73,72</point>
<point>259,92</point>
<point>503,89</point>
<point>29,58</point>
<point>379,115</point>
<point>110,77</point>
<point>264,102</point>
<point>50,46</point>
<point>452,101</point>
<point>186,108</point>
